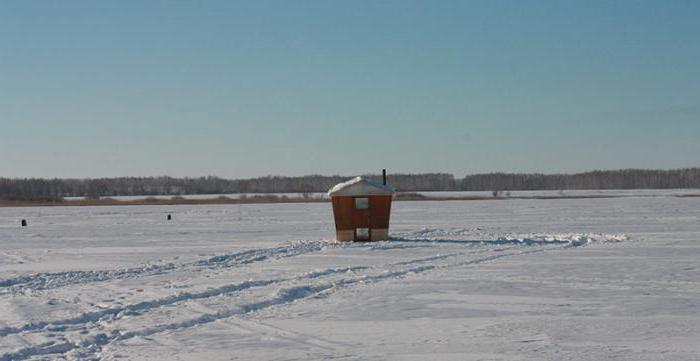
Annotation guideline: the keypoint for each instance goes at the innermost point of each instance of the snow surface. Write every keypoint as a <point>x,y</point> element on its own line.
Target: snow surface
<point>447,194</point>
<point>360,186</point>
<point>566,279</point>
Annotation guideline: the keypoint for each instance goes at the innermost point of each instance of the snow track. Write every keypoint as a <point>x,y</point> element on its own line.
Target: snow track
<point>50,280</point>
<point>84,335</point>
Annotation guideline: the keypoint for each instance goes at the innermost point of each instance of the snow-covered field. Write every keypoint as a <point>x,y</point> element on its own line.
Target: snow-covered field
<point>567,279</point>
<point>446,194</point>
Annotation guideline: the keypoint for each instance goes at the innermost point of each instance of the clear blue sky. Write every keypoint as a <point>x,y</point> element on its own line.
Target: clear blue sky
<point>240,89</point>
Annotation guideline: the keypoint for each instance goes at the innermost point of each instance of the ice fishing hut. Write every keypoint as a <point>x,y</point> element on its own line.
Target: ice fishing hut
<point>361,208</point>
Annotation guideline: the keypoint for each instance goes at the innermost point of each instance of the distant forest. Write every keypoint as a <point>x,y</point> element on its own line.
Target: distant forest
<point>55,189</point>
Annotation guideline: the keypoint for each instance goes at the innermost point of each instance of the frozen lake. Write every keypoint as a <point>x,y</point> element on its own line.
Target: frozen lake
<point>563,279</point>
<point>446,194</point>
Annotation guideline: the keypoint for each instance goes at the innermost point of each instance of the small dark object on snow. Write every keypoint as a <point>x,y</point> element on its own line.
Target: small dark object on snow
<point>170,217</point>
<point>24,223</point>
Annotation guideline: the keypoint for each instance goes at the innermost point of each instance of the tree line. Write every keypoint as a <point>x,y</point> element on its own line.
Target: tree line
<point>610,179</point>
<point>56,189</point>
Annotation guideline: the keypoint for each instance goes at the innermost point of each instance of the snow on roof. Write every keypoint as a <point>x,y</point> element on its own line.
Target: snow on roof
<point>361,186</point>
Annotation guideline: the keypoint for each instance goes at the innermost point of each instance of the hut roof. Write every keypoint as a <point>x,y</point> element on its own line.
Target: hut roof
<point>361,186</point>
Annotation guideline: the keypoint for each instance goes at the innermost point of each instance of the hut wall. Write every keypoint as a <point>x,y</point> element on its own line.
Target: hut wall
<point>375,217</point>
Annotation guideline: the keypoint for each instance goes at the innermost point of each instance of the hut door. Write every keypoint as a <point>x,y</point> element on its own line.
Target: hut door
<point>363,211</point>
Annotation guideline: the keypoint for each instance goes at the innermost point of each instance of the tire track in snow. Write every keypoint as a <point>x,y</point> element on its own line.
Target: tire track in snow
<point>293,336</point>
<point>93,344</point>
<point>51,280</point>
<point>90,317</point>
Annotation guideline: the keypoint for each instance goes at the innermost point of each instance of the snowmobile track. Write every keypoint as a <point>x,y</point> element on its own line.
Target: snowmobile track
<point>92,345</point>
<point>51,280</point>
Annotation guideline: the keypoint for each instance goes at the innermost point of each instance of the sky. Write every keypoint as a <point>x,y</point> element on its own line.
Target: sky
<point>251,88</point>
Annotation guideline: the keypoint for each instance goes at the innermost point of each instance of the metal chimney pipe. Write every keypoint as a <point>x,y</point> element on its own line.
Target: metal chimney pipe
<point>384,176</point>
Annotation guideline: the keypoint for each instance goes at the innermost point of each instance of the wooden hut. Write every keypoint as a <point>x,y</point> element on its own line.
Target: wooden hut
<point>361,208</point>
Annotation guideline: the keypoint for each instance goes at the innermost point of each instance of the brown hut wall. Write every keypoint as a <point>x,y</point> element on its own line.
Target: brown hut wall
<point>349,218</point>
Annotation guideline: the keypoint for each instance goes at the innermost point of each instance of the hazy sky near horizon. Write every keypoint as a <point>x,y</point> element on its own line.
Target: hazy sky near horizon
<point>241,89</point>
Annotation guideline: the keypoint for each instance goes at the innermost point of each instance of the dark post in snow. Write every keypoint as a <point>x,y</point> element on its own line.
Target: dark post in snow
<point>24,223</point>
<point>384,176</point>
<point>170,217</point>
